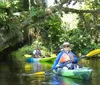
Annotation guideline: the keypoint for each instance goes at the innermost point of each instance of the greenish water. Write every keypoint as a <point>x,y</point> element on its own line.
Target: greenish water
<point>17,74</point>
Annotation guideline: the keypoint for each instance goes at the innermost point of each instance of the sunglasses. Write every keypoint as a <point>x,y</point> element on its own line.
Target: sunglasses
<point>66,46</point>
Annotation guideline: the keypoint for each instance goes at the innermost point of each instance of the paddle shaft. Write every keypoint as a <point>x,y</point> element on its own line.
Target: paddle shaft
<point>83,56</point>
<point>48,70</point>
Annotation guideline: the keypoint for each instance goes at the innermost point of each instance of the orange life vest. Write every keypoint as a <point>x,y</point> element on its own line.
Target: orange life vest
<point>66,57</point>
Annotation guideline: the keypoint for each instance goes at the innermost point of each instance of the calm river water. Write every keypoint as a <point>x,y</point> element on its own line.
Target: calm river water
<point>18,74</point>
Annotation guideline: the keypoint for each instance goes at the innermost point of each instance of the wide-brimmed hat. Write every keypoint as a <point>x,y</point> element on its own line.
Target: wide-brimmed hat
<point>66,43</point>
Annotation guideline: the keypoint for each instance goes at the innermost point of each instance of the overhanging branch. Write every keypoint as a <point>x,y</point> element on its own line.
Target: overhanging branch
<point>66,10</point>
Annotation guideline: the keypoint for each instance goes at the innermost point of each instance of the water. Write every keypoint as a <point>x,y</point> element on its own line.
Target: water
<point>18,74</point>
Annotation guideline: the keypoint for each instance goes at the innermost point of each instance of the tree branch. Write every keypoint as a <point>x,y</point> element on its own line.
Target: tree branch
<point>66,10</point>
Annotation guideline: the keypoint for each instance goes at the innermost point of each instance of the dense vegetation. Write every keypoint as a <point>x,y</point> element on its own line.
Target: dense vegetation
<point>24,18</point>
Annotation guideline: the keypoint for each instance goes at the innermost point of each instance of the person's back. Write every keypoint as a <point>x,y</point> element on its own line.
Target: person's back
<point>37,53</point>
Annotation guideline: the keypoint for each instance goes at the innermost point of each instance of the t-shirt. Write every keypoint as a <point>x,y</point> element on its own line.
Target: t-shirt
<point>37,52</point>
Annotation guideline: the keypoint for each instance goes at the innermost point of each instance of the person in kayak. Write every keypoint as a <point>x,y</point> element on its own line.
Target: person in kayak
<point>65,57</point>
<point>37,53</point>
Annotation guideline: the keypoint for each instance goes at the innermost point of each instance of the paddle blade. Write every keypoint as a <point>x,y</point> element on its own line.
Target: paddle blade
<point>27,56</point>
<point>94,52</point>
<point>39,73</point>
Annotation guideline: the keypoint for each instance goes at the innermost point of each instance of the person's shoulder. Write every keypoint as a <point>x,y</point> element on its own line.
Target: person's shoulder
<point>61,52</point>
<point>34,51</point>
<point>71,51</point>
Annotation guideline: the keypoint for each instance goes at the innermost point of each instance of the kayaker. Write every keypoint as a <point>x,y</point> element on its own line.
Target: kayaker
<point>65,57</point>
<point>37,53</point>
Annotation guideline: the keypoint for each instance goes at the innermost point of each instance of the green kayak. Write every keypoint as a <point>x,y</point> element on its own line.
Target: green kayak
<point>80,73</point>
<point>31,59</point>
<point>47,59</point>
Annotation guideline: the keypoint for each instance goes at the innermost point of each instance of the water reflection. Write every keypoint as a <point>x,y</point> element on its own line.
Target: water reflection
<point>8,75</point>
<point>37,67</point>
<point>50,79</point>
<point>58,80</point>
<point>95,65</point>
<point>12,74</point>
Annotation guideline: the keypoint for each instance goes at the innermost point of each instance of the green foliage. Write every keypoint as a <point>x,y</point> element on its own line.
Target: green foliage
<point>48,26</point>
<point>3,13</point>
<point>2,5</point>
<point>91,4</point>
<point>53,34</point>
<point>81,42</point>
<point>19,54</point>
<point>10,27</point>
<point>36,13</point>
<point>51,31</point>
<point>24,4</point>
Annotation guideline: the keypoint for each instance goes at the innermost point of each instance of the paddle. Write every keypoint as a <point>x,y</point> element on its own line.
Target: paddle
<point>93,52</point>
<point>90,54</point>
<point>27,55</point>
<point>40,73</point>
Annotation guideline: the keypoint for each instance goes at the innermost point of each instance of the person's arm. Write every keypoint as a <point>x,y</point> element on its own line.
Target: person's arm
<point>34,52</point>
<point>57,60</point>
<point>75,58</point>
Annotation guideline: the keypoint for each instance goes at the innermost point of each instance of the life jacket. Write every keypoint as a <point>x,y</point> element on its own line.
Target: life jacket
<point>66,57</point>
